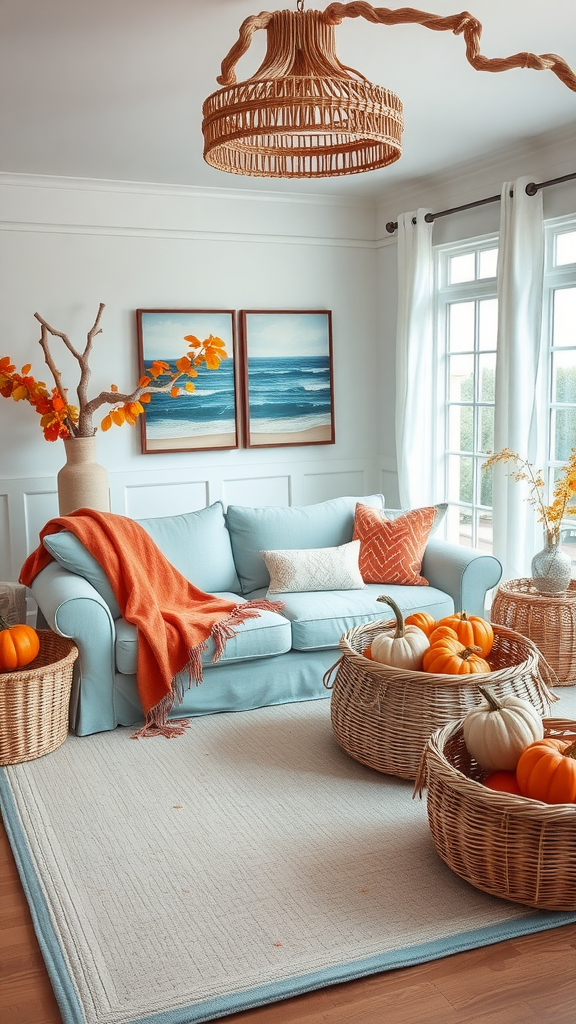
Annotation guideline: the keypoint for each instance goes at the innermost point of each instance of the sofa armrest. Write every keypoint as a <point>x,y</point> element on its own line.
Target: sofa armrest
<point>71,606</point>
<point>464,573</point>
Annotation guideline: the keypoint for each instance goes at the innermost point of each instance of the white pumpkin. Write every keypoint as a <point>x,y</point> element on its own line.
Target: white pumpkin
<point>405,648</point>
<point>498,731</point>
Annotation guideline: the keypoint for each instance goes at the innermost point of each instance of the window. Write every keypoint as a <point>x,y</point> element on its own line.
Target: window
<point>559,324</point>
<point>466,339</point>
<point>467,323</point>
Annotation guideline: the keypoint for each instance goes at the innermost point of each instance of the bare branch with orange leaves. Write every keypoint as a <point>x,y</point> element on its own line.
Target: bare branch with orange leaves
<point>60,419</point>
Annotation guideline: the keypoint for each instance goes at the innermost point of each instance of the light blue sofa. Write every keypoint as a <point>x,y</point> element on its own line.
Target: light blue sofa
<point>275,658</point>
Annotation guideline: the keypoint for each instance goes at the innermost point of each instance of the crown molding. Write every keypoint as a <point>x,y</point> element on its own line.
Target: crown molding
<point>47,181</point>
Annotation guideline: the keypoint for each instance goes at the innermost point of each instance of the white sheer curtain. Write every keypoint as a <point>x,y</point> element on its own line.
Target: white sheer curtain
<point>415,397</point>
<point>518,415</point>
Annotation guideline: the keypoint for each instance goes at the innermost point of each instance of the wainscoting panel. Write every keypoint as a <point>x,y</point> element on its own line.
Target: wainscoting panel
<point>149,500</point>
<point>268,490</point>
<point>322,486</point>
<point>5,560</point>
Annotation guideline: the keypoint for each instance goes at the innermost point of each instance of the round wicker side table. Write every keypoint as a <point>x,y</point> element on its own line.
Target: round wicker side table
<point>549,621</point>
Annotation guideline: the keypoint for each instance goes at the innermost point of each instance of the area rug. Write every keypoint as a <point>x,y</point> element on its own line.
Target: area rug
<point>249,860</point>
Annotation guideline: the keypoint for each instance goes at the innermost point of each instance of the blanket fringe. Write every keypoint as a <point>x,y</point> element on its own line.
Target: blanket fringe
<point>156,722</point>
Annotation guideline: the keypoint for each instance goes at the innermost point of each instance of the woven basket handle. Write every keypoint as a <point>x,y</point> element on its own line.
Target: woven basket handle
<point>327,675</point>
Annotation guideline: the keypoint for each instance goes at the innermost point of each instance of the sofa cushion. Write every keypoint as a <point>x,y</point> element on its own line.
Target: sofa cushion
<point>198,544</point>
<point>267,634</point>
<point>319,619</point>
<point>72,555</point>
<point>271,528</point>
<point>314,569</point>
<point>391,550</point>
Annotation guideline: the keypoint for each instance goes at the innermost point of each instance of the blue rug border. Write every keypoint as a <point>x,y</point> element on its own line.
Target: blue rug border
<point>71,1008</point>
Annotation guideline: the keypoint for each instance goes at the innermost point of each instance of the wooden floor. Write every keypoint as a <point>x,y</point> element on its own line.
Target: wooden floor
<point>531,980</point>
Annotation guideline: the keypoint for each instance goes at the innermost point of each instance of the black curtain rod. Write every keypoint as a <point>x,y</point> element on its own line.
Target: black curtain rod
<point>531,189</point>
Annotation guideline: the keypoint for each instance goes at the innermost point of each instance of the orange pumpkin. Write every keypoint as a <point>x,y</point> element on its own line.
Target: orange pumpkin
<point>471,630</point>
<point>442,631</point>
<point>423,620</point>
<point>503,782</point>
<point>449,657</point>
<point>19,645</point>
<point>546,771</point>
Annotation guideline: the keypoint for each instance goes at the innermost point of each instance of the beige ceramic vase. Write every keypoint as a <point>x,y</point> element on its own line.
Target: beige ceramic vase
<point>82,483</point>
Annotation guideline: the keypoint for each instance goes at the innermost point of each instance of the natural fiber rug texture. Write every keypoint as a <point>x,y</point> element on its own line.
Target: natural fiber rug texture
<point>246,861</point>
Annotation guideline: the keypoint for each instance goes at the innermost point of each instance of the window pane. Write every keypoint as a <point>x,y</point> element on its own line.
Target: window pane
<point>461,326</point>
<point>488,263</point>
<point>564,376</point>
<point>462,268</point>
<point>488,324</point>
<point>487,371</point>
<point>566,248</point>
<point>486,439</point>
<point>564,331</point>
<point>460,428</point>
<point>459,478</point>
<point>484,541</point>
<point>465,528</point>
<point>563,434</point>
<point>461,378</point>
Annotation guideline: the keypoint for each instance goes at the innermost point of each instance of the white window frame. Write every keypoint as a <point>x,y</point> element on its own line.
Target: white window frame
<point>445,294</point>
<point>555,277</point>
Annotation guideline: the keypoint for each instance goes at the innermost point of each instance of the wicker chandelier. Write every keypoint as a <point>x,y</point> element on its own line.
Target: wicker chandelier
<point>305,115</point>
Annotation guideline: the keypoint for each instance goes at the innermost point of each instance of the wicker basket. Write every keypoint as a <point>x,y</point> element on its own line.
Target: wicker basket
<point>34,701</point>
<point>382,716</point>
<point>548,620</point>
<point>519,849</point>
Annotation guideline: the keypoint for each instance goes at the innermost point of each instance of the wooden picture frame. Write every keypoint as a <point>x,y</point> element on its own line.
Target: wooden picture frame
<point>287,377</point>
<point>206,419</point>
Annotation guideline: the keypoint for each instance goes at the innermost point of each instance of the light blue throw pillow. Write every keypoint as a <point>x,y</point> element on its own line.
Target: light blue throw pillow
<point>70,553</point>
<point>327,524</point>
<point>198,545</point>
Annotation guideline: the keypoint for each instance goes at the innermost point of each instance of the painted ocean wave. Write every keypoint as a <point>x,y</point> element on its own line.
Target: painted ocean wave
<point>281,391</point>
<point>160,430</point>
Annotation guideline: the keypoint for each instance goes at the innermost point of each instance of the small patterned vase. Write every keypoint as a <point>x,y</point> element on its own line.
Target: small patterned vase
<point>551,569</point>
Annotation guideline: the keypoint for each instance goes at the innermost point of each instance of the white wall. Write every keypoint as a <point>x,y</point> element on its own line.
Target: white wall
<point>66,245</point>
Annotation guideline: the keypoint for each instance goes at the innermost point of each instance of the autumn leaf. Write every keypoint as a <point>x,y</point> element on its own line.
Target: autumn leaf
<point>189,386</point>
<point>118,416</point>
<point>106,422</point>
<point>174,392</point>
<point>184,364</point>
<point>145,397</point>
<point>193,341</point>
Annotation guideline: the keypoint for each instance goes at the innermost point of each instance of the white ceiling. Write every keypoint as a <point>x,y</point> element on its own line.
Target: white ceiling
<point>114,88</point>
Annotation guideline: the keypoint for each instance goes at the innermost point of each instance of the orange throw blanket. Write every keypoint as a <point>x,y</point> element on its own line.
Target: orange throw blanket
<point>173,618</point>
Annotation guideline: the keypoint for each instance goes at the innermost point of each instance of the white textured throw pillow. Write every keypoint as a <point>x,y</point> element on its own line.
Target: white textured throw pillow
<point>308,569</point>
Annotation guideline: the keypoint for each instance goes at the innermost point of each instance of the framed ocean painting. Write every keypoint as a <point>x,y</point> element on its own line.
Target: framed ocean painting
<point>287,377</point>
<point>200,420</point>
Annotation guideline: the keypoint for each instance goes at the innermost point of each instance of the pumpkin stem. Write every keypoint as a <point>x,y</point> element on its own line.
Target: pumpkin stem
<point>3,623</point>
<point>467,651</point>
<point>570,751</point>
<point>400,630</point>
<point>490,696</point>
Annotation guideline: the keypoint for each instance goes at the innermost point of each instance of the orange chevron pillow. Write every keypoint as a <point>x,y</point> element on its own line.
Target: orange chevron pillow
<point>391,550</point>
